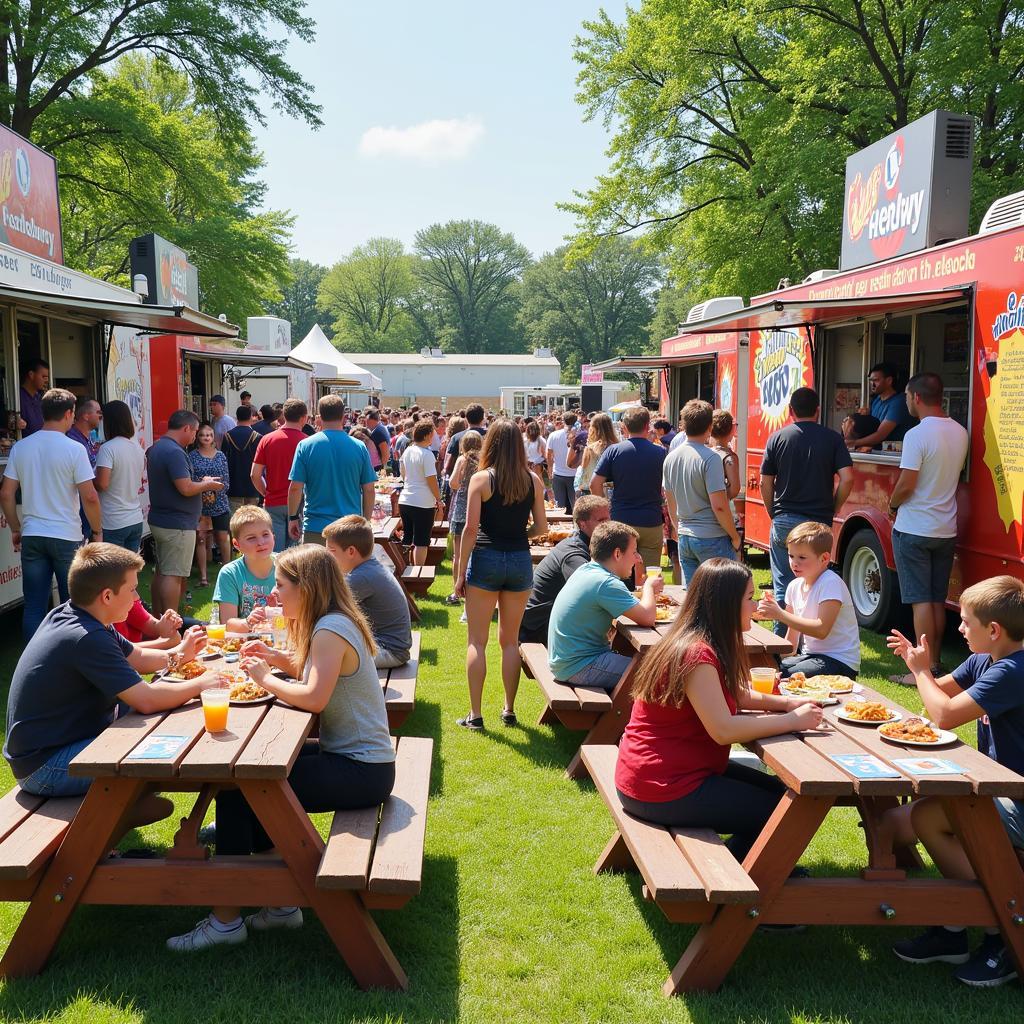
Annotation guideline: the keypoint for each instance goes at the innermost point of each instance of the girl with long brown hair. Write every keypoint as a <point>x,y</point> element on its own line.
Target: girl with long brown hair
<point>600,435</point>
<point>495,565</point>
<point>673,767</point>
<point>352,762</point>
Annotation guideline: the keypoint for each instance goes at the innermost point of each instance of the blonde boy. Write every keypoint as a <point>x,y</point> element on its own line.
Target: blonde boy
<point>244,585</point>
<point>822,625</point>
<point>350,542</point>
<point>988,688</point>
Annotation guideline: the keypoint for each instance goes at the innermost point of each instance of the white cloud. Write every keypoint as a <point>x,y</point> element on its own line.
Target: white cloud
<point>427,142</point>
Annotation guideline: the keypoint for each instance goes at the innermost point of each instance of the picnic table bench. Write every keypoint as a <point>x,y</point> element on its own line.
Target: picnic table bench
<point>53,853</point>
<point>415,579</point>
<point>694,879</point>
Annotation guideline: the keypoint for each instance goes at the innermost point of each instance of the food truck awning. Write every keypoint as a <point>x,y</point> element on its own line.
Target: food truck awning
<point>638,364</point>
<point>155,319</point>
<point>786,314</point>
<point>286,362</point>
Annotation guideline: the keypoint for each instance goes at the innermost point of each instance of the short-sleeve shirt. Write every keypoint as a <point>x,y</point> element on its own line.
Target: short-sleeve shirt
<point>894,408</point>
<point>693,472</point>
<point>49,466</point>
<point>804,458</point>
<point>581,617</point>
<point>937,449</point>
<point>221,425</point>
<point>31,411</point>
<point>65,686</point>
<point>558,448</point>
<point>418,463</point>
<point>452,450</point>
<point>551,576</point>
<point>997,687</point>
<point>634,467</point>
<point>379,436</point>
<point>86,442</point>
<point>276,454</point>
<point>120,503</point>
<point>215,503</point>
<point>333,467</point>
<point>383,601</point>
<point>239,448</point>
<point>238,585</point>
<point>843,642</point>
<point>168,507</point>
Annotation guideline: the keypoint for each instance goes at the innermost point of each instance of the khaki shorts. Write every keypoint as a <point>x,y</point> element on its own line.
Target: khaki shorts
<point>174,550</point>
<point>309,537</point>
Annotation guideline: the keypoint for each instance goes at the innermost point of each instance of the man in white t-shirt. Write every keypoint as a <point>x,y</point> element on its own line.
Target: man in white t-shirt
<point>562,477</point>
<point>924,500</point>
<point>54,474</point>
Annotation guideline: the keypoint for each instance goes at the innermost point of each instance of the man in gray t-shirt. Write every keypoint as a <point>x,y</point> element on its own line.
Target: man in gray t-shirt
<point>695,489</point>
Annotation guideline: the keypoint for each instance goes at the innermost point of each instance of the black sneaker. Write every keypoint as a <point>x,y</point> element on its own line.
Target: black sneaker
<point>509,718</point>
<point>471,723</point>
<point>933,945</point>
<point>990,967</point>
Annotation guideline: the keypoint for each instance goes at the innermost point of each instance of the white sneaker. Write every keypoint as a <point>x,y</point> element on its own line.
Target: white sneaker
<point>267,918</point>
<point>462,617</point>
<point>205,935</point>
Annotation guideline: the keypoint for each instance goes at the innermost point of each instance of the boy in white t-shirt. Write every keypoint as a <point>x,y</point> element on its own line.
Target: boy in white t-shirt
<point>819,610</point>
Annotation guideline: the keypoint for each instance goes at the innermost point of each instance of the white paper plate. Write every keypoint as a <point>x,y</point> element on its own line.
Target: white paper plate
<point>825,702</point>
<point>895,716</point>
<point>269,699</point>
<point>945,738</point>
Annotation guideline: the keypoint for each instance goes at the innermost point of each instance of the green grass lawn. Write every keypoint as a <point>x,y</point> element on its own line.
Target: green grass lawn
<point>511,925</point>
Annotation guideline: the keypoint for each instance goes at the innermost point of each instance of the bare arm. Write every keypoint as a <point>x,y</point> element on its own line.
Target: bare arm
<point>946,704</point>
<point>256,476</point>
<point>731,465</point>
<point>330,656</point>
<point>478,484</point>
<point>673,514</point>
<point>768,493</point>
<point>188,488</point>
<point>904,488</point>
<point>844,488</point>
<point>91,505</point>
<point>720,506</point>
<point>102,479</point>
<point>540,514</point>
<point>369,497</point>
<point>885,428</point>
<point>597,485</point>
<point>645,611</point>
<point>819,628</point>
<point>8,494</point>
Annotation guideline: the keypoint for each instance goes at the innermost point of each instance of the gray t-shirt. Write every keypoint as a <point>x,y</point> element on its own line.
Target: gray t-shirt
<point>168,507</point>
<point>692,472</point>
<point>382,599</point>
<point>355,721</point>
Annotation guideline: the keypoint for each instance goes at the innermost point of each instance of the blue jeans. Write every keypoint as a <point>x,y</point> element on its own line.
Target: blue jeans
<point>782,575</point>
<point>42,558</point>
<point>603,673</point>
<point>129,537</point>
<point>815,665</point>
<point>694,550</point>
<point>52,778</point>
<point>279,519</point>
<point>500,570</point>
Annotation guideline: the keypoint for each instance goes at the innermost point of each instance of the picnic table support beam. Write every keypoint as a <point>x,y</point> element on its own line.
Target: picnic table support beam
<point>615,857</point>
<point>358,939</point>
<point>612,723</point>
<point>186,845</point>
<point>91,834</point>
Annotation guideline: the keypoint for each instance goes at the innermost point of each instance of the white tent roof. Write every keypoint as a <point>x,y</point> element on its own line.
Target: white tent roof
<point>328,362</point>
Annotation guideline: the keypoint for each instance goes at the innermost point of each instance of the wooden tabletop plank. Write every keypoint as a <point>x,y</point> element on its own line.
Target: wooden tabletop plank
<point>386,529</point>
<point>185,721</point>
<point>215,753</point>
<point>274,746</point>
<point>15,806</point>
<point>837,742</point>
<point>105,753</point>
<point>802,769</point>
<point>772,643</point>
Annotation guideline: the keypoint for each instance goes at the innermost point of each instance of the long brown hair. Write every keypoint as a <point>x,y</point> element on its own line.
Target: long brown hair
<point>601,433</point>
<point>711,615</point>
<point>322,590</point>
<point>505,453</point>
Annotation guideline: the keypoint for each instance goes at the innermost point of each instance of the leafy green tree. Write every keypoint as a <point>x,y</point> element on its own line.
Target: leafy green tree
<point>595,308</point>
<point>467,275</point>
<point>671,307</point>
<point>367,293</point>
<point>731,122</point>
<point>299,301</point>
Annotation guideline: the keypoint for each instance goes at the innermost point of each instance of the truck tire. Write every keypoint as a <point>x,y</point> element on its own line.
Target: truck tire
<point>873,586</point>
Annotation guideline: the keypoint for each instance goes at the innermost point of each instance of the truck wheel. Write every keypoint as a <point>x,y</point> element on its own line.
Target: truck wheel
<point>873,586</point>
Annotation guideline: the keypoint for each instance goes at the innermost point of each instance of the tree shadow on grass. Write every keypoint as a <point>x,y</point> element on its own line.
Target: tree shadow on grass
<point>113,958</point>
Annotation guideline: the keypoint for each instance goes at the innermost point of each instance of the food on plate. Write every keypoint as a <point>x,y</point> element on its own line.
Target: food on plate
<point>914,729</point>
<point>229,645</point>
<point>867,711</point>
<point>249,689</point>
<point>798,685</point>
<point>663,600</point>
<point>664,614</point>
<point>552,537</point>
<point>188,670</point>
<point>834,684</point>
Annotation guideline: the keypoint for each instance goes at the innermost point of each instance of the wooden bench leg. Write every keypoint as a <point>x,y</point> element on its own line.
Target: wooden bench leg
<point>547,716</point>
<point>984,839</point>
<point>615,857</point>
<point>611,725</point>
<point>716,946</point>
<point>882,859</point>
<point>354,933</point>
<point>88,839</point>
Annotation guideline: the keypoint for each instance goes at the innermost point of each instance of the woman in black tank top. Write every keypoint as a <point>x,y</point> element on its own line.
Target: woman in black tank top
<point>503,495</point>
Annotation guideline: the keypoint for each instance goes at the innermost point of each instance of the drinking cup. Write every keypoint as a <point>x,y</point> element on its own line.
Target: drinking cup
<point>762,680</point>
<point>215,708</point>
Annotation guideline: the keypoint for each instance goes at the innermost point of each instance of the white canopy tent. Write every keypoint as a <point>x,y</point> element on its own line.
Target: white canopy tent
<point>329,363</point>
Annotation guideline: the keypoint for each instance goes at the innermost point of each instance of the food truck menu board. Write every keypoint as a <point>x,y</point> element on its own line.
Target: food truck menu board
<point>29,201</point>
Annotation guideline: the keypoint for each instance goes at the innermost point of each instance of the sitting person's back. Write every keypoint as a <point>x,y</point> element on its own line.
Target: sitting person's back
<point>590,601</point>
<point>381,597</point>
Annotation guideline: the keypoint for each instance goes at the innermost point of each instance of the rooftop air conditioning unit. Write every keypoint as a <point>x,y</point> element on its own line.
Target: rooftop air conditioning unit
<point>714,307</point>
<point>819,275</point>
<point>1006,212</point>
<point>542,353</point>
<point>437,353</point>
<point>425,352</point>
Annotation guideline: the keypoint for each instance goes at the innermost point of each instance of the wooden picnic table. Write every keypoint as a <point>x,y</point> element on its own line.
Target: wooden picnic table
<point>694,881</point>
<point>387,533</point>
<point>255,754</point>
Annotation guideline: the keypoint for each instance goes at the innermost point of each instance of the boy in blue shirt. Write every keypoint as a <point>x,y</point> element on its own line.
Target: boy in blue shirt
<point>592,598</point>
<point>988,688</point>
<point>245,584</point>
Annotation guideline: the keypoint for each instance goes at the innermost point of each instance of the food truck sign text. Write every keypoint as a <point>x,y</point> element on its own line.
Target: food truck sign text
<point>29,201</point>
<point>778,371</point>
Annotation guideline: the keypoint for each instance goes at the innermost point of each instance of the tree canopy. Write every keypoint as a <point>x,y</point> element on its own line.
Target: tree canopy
<point>299,302</point>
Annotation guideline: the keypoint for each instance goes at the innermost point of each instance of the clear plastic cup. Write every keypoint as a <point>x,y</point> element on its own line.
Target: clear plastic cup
<point>653,570</point>
<point>216,701</point>
<point>762,680</point>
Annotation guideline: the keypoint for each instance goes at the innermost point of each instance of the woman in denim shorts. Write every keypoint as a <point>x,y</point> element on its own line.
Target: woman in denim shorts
<point>495,567</point>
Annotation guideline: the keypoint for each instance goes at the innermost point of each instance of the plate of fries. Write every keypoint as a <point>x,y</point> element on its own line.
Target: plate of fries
<point>867,712</point>
<point>245,690</point>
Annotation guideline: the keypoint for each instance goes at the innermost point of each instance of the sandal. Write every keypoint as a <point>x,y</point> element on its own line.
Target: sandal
<point>204,583</point>
<point>471,723</point>
<point>453,599</point>
<point>509,718</point>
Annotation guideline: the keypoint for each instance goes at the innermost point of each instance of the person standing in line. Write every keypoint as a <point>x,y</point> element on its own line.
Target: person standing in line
<point>798,472</point>
<point>474,417</point>
<point>888,406</point>
<point>465,466</point>
<point>35,379</point>
<point>600,435</point>
<point>379,436</point>
<point>333,471</point>
<point>219,419</point>
<point>495,566</point>
<point>559,443</point>
<point>536,449</point>
<point>634,467</point>
<point>56,480</point>
<point>120,467</point>
<point>696,490</point>
<point>421,495</point>
<point>272,464</point>
<point>207,462</point>
<point>87,420</point>
<point>239,448</point>
<point>175,505</point>
<point>267,421</point>
<point>924,500</point>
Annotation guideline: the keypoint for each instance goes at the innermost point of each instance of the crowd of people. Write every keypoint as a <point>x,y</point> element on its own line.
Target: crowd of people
<point>289,506</point>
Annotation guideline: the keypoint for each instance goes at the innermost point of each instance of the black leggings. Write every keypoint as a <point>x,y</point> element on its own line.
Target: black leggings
<point>417,524</point>
<point>321,781</point>
<point>737,803</point>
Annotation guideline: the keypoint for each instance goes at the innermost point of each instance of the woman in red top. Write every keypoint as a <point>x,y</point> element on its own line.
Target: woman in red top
<point>673,767</point>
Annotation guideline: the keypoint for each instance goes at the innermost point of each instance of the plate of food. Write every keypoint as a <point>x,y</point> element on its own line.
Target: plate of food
<point>245,690</point>
<point>185,672</point>
<point>665,613</point>
<point>867,712</point>
<point>811,689</point>
<point>837,685</point>
<point>917,732</point>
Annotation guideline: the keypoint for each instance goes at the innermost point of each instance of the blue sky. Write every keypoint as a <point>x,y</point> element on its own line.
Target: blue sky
<point>434,112</point>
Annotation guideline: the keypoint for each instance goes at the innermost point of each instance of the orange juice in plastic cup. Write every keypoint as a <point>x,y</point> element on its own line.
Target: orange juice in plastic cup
<point>215,630</point>
<point>215,708</point>
<point>762,680</point>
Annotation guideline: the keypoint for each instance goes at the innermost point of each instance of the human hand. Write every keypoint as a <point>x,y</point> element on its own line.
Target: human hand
<point>16,539</point>
<point>257,617</point>
<point>768,607</point>
<point>918,659</point>
<point>656,583</point>
<point>807,716</point>
<point>212,483</point>
<point>257,668</point>
<point>168,624</point>
<point>460,585</point>
<point>256,649</point>
<point>295,530</point>
<point>192,642</point>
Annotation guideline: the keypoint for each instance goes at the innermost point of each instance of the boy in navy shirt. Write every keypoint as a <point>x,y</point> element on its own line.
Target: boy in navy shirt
<point>988,688</point>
